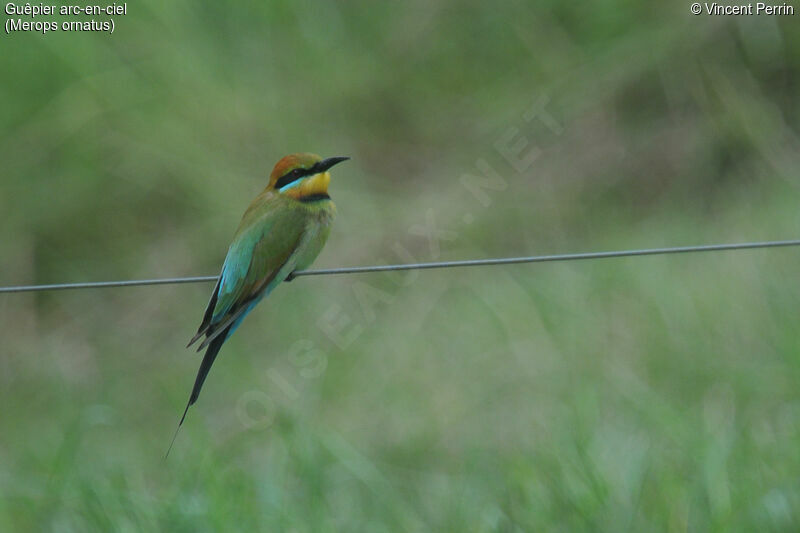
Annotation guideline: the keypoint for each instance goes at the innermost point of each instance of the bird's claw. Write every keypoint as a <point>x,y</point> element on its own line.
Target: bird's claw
<point>290,277</point>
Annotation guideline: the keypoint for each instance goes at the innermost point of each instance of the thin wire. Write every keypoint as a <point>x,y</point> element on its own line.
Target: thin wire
<point>425,266</point>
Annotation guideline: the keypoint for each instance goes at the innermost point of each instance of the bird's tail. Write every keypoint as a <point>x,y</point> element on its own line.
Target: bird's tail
<point>202,372</point>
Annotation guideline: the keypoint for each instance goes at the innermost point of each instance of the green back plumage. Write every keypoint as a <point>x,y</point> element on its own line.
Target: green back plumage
<point>276,236</point>
<point>266,239</point>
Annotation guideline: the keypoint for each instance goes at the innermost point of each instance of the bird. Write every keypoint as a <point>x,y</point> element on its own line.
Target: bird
<point>282,231</point>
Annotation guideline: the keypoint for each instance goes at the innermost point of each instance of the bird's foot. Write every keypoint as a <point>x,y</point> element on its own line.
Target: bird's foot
<point>290,277</point>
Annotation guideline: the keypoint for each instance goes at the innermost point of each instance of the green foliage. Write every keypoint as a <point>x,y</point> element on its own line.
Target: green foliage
<point>638,394</point>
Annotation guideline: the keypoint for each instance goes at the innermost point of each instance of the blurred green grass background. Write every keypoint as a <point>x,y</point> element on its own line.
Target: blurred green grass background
<point>639,394</point>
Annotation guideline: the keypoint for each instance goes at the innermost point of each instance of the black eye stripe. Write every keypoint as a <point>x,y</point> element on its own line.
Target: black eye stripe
<point>292,176</point>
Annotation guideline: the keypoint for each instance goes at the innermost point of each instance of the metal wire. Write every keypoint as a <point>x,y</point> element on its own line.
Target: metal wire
<point>424,266</point>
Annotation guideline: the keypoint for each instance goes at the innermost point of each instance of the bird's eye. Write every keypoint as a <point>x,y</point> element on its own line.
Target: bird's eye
<point>297,172</point>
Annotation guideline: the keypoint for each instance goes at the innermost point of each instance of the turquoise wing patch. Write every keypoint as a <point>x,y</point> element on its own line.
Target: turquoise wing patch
<point>235,270</point>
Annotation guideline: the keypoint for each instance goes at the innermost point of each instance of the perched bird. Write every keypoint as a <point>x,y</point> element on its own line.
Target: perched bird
<point>283,230</point>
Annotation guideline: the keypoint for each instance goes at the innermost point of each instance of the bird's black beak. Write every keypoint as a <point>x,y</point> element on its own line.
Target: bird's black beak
<point>325,164</point>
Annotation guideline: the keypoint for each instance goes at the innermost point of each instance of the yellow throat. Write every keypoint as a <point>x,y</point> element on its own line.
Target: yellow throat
<point>314,185</point>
